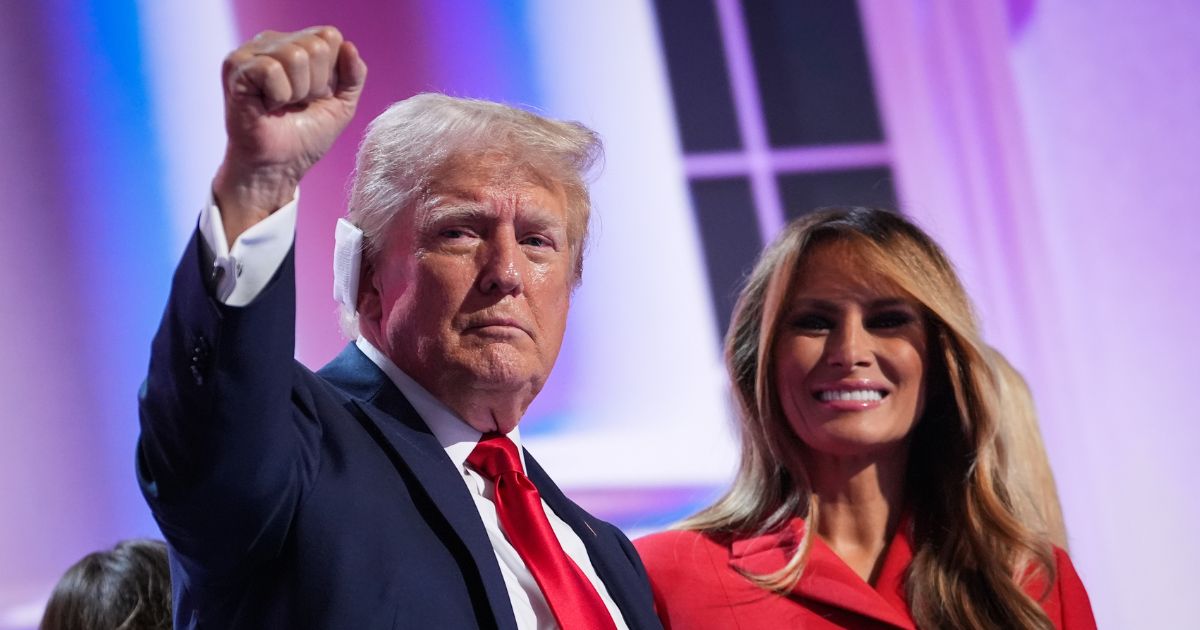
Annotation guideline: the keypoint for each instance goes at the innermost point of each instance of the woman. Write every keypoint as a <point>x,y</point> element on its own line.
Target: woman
<point>872,490</point>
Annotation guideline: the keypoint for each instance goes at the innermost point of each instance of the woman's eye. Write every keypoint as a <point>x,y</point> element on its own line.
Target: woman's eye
<point>890,320</point>
<point>812,322</point>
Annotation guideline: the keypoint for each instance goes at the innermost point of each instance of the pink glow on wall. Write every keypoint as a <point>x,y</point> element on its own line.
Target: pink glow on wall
<point>1109,96</point>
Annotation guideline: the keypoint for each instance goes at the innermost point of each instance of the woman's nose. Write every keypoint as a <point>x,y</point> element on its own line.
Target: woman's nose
<point>849,346</point>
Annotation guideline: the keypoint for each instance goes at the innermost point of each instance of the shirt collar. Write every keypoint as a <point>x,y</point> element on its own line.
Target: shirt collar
<point>456,437</point>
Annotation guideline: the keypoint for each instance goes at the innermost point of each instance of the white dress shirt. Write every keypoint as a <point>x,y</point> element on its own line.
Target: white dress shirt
<point>243,271</point>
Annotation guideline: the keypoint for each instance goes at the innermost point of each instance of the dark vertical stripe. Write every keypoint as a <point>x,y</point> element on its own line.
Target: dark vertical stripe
<point>730,235</point>
<point>691,43</point>
<point>813,73</point>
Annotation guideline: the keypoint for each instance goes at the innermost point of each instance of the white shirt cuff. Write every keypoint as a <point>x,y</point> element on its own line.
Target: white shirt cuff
<point>243,271</point>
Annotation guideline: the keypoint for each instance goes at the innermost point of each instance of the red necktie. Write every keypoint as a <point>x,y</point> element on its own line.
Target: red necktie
<point>572,598</point>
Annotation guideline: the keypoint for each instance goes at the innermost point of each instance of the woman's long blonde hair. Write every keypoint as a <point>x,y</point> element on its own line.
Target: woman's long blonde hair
<point>1030,480</point>
<point>972,552</point>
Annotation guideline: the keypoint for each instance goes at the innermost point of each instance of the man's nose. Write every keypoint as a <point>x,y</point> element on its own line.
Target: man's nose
<point>501,271</point>
<point>849,346</point>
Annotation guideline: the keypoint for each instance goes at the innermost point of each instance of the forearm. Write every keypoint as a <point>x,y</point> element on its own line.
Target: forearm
<point>225,454</point>
<point>227,445</point>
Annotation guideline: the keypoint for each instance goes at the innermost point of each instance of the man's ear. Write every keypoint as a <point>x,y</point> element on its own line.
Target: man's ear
<point>370,306</point>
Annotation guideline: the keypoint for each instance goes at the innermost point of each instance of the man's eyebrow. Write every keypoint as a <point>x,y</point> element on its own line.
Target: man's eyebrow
<point>443,209</point>
<point>450,210</point>
<point>541,216</point>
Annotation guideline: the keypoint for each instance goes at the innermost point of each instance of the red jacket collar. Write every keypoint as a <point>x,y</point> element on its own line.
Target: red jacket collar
<point>827,579</point>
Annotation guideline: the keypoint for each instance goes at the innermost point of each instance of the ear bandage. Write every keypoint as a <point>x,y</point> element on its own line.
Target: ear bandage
<point>347,263</point>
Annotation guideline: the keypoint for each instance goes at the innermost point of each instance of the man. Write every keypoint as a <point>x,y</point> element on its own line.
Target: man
<point>389,490</point>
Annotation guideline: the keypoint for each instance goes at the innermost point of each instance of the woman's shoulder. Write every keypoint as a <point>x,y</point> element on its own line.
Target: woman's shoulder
<point>693,582</point>
<point>1066,600</point>
<point>678,550</point>
<point>672,541</point>
<point>1074,606</point>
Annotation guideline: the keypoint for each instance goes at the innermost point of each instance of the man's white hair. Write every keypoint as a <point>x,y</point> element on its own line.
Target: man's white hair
<point>406,147</point>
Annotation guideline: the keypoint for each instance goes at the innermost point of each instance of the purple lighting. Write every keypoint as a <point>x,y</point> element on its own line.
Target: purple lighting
<point>792,160</point>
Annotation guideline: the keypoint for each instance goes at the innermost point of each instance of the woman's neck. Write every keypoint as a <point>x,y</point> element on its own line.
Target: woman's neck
<point>860,499</point>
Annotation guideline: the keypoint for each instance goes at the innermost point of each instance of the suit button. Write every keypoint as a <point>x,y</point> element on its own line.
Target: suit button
<point>197,375</point>
<point>199,358</point>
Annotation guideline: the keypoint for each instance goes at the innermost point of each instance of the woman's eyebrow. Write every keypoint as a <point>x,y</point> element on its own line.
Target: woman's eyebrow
<point>815,303</point>
<point>891,302</point>
<point>831,305</point>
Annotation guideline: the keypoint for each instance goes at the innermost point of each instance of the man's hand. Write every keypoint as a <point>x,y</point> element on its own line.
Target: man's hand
<point>287,98</point>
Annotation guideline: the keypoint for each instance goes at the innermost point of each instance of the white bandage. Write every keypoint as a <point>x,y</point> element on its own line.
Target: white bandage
<point>347,263</point>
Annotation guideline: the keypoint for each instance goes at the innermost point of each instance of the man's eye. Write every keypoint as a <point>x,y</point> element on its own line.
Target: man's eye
<point>536,241</point>
<point>455,233</point>
<point>890,320</point>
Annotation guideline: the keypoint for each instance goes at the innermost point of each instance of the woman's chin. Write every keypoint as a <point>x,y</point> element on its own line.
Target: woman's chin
<point>856,444</point>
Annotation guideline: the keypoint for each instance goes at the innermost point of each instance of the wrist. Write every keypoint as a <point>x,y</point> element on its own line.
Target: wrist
<point>247,195</point>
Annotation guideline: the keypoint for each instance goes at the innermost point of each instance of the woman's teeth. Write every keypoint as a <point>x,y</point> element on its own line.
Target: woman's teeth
<point>854,394</point>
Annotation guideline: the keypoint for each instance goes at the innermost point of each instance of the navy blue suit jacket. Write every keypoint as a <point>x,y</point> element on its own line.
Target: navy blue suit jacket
<point>300,500</point>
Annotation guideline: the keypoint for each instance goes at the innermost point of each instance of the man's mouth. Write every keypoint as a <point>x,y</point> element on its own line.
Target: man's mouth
<point>498,324</point>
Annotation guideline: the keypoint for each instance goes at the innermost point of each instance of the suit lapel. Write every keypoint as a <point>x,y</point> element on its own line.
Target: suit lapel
<point>826,579</point>
<point>608,557</point>
<point>389,417</point>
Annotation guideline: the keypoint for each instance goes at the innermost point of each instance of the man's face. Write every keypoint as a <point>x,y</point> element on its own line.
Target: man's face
<point>473,289</point>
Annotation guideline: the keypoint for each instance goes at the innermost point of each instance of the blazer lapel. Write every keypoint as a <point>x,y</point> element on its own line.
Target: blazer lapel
<point>627,589</point>
<point>389,417</point>
<point>890,582</point>
<point>826,579</point>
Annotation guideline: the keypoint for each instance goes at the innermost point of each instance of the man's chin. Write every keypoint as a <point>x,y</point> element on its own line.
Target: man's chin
<point>502,365</point>
<point>493,396</point>
<point>499,379</point>
<point>494,424</point>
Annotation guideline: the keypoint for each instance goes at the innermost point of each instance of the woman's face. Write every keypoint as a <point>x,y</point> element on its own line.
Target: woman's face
<point>850,356</point>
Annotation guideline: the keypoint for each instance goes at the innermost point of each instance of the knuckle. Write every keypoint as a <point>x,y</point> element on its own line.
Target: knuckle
<point>327,32</point>
<point>267,66</point>
<point>266,35</point>
<point>316,46</point>
<point>236,59</point>
<point>291,55</point>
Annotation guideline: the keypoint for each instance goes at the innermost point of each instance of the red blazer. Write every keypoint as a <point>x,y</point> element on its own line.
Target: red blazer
<point>697,584</point>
